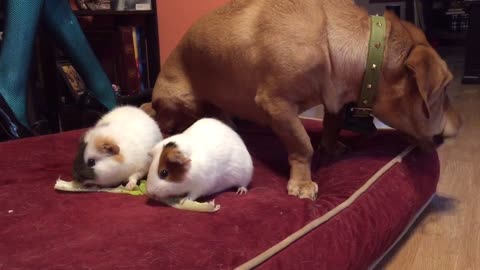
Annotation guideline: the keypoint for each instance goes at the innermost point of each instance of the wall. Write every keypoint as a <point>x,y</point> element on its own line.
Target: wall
<point>175,17</point>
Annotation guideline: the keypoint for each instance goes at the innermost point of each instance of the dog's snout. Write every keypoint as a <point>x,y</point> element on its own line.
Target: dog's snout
<point>452,122</point>
<point>438,139</point>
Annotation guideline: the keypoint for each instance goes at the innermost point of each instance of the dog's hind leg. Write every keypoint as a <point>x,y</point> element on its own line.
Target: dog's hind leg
<point>288,127</point>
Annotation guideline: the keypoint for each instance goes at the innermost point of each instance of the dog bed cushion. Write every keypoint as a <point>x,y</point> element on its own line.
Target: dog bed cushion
<point>44,229</point>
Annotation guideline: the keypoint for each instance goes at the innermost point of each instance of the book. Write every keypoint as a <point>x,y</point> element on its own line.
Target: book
<point>145,65</point>
<point>81,4</point>
<point>137,52</point>
<point>141,57</point>
<point>130,83</point>
<point>142,60</point>
<point>97,4</point>
<point>131,5</point>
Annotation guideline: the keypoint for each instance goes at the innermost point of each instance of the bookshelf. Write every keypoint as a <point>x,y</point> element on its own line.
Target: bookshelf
<point>49,98</point>
<point>107,31</point>
<point>103,26</point>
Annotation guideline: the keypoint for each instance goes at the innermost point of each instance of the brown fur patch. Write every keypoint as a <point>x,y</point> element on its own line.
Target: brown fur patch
<point>119,158</point>
<point>174,162</point>
<point>107,145</point>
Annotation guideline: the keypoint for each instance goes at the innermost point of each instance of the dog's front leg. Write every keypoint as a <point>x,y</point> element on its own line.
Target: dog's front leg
<point>288,127</point>
<point>332,124</point>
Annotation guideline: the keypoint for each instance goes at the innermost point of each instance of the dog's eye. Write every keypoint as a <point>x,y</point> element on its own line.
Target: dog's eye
<point>91,162</point>
<point>163,173</point>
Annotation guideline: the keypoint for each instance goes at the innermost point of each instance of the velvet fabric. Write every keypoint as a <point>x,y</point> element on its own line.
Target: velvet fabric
<point>44,229</point>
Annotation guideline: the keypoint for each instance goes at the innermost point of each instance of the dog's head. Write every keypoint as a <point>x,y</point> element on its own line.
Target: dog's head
<point>412,94</point>
<point>173,116</point>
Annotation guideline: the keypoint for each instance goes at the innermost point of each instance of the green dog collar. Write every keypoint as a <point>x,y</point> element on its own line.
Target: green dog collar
<point>376,49</point>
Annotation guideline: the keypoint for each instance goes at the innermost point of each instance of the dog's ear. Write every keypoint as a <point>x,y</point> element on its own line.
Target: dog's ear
<point>430,73</point>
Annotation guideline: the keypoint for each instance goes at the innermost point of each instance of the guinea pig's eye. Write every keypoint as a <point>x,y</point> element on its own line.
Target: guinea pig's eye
<point>163,173</point>
<point>91,162</point>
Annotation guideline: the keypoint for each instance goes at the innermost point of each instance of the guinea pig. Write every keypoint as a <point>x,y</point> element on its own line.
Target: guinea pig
<point>207,158</point>
<point>117,148</point>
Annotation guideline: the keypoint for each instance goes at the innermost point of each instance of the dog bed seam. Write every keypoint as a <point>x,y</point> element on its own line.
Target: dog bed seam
<point>267,254</point>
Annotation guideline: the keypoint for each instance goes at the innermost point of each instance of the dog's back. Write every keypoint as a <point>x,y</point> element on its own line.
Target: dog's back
<point>226,55</point>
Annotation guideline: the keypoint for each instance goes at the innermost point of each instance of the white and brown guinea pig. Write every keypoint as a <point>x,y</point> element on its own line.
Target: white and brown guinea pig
<point>116,149</point>
<point>207,158</point>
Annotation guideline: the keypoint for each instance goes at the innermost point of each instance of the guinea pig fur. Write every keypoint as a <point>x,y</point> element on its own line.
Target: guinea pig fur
<point>116,149</point>
<point>207,158</point>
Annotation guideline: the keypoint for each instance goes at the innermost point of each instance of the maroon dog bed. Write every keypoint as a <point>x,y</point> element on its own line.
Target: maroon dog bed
<point>44,229</point>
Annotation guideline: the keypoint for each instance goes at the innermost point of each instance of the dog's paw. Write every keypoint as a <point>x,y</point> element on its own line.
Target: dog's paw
<point>334,151</point>
<point>303,189</point>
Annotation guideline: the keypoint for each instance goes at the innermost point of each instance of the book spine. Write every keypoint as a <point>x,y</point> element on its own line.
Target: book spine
<point>131,82</point>
<point>137,61</point>
<point>140,58</point>
<point>146,67</point>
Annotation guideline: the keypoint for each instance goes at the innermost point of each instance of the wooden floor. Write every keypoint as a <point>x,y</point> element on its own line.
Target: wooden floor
<point>447,234</point>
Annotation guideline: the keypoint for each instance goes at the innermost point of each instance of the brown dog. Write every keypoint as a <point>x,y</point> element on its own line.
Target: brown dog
<point>269,60</point>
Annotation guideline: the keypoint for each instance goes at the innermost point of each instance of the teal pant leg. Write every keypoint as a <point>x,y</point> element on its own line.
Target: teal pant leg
<point>16,53</point>
<point>63,25</point>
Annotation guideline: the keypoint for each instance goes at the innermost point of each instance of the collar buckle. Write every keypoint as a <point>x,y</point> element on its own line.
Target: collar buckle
<point>361,112</point>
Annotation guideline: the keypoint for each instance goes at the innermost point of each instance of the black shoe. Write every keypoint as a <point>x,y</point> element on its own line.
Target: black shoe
<point>10,127</point>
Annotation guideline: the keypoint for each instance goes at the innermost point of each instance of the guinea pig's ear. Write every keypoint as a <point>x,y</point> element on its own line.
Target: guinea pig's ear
<point>107,145</point>
<point>176,156</point>
<point>430,72</point>
<point>111,149</point>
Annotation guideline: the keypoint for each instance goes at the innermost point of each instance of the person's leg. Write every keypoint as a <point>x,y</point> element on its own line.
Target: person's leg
<point>15,55</point>
<point>62,23</point>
